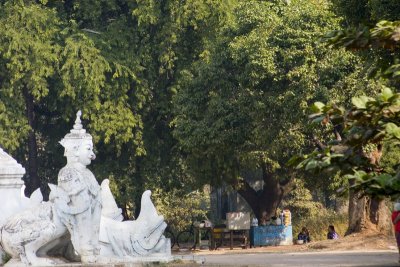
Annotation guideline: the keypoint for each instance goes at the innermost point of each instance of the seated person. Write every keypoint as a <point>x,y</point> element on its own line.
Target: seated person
<point>332,233</point>
<point>304,235</point>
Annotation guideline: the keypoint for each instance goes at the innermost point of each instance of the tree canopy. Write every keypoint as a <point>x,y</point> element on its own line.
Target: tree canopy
<point>366,126</point>
<point>115,60</point>
<point>177,94</point>
<point>50,69</point>
<point>370,124</point>
<point>241,106</point>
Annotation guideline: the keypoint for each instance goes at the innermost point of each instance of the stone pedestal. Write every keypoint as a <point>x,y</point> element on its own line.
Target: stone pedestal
<point>11,183</point>
<point>10,187</point>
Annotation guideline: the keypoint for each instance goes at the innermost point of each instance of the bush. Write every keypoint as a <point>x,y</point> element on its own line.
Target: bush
<point>318,225</point>
<point>179,209</point>
<point>300,202</point>
<point>312,214</point>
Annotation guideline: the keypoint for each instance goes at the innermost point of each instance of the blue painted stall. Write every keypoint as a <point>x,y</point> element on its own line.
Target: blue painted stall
<point>271,235</point>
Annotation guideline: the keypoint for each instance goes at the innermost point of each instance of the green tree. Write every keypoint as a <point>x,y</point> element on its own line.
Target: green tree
<point>118,60</point>
<point>379,46</point>
<point>366,127</point>
<point>366,12</point>
<point>165,36</point>
<point>49,70</point>
<point>240,108</point>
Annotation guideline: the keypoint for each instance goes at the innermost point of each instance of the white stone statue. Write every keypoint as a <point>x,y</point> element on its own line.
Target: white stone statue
<point>74,212</point>
<point>80,193</point>
<point>26,232</point>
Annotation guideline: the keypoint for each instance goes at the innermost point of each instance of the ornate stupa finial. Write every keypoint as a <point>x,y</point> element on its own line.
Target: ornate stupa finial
<point>78,122</point>
<point>77,130</point>
<point>72,140</point>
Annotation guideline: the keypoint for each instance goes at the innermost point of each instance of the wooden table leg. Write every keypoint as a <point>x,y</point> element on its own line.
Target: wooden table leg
<point>212,241</point>
<point>196,233</point>
<point>231,238</point>
<point>246,238</point>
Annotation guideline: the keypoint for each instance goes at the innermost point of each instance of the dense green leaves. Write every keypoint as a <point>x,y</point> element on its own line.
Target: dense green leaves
<point>49,70</point>
<point>381,43</point>
<point>241,109</point>
<point>366,12</point>
<point>28,57</point>
<point>366,126</point>
<point>177,94</point>
<point>369,128</point>
<point>245,102</point>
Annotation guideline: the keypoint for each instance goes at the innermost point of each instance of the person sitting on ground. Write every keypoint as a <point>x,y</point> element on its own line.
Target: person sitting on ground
<point>304,235</point>
<point>332,233</point>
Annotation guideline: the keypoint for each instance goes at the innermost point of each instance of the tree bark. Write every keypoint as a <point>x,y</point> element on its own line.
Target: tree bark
<point>139,186</point>
<point>266,200</point>
<point>33,181</point>
<point>368,214</point>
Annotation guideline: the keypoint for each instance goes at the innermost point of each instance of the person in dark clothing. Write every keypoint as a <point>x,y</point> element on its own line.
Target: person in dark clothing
<point>304,235</point>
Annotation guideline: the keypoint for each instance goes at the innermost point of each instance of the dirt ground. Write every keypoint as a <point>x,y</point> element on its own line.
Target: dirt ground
<point>371,241</point>
<point>354,242</point>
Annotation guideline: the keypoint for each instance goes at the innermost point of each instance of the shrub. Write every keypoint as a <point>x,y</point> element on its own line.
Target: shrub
<point>318,225</point>
<point>179,209</point>
<point>300,202</point>
<point>312,214</point>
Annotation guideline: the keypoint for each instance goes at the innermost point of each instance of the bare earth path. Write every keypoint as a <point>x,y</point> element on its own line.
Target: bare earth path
<point>354,250</point>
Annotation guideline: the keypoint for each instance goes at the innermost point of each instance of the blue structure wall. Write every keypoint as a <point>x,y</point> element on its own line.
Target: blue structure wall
<point>271,235</point>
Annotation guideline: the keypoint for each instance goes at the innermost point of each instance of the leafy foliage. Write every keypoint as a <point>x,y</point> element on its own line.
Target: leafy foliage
<point>116,60</point>
<point>241,106</point>
<point>368,124</point>
<point>300,202</point>
<point>176,94</point>
<point>381,42</point>
<point>385,34</point>
<point>245,101</point>
<point>318,225</point>
<point>366,12</point>
<point>51,68</point>
<point>167,36</point>
<point>181,210</point>
<point>28,58</point>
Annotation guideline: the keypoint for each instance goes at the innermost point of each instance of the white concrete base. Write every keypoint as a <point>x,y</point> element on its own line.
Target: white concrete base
<point>135,260</point>
<point>107,262</point>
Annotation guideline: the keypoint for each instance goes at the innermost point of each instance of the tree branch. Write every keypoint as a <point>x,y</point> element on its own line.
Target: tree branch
<point>248,193</point>
<point>318,143</point>
<point>337,130</point>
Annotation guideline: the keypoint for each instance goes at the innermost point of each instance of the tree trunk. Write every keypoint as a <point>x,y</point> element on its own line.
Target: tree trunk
<point>32,182</point>
<point>366,214</point>
<point>268,199</point>
<point>139,184</point>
